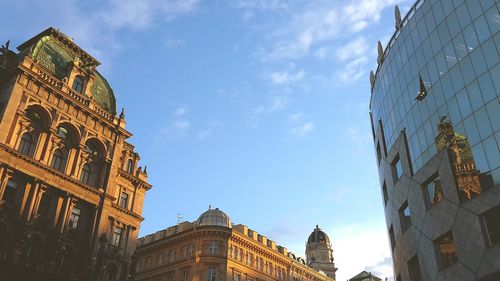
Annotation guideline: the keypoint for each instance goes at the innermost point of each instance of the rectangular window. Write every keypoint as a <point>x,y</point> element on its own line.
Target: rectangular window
<point>446,249</point>
<point>397,169</point>
<point>212,249</point>
<point>124,200</point>
<point>211,274</point>
<point>44,207</point>
<point>433,191</point>
<point>393,239</point>
<point>74,217</point>
<point>191,250</point>
<point>414,269</point>
<point>250,259</point>
<point>386,195</point>
<point>237,277</point>
<point>171,255</point>
<point>117,236</point>
<point>491,223</point>
<point>379,153</point>
<point>170,276</point>
<point>9,194</point>
<point>405,216</point>
<point>185,275</point>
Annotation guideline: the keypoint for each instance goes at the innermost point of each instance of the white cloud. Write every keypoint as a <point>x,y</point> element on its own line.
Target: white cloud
<point>295,118</point>
<point>303,130</point>
<point>286,77</point>
<point>141,14</point>
<point>204,134</point>
<point>181,110</point>
<point>353,49</point>
<point>318,24</point>
<point>175,44</point>
<point>181,125</point>
<point>367,247</point>
<point>353,70</point>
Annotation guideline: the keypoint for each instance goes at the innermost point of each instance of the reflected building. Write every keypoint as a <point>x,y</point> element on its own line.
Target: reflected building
<point>213,248</point>
<point>365,276</point>
<point>71,191</point>
<point>435,114</point>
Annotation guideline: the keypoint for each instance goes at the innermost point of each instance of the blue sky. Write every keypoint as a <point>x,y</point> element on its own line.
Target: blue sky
<point>257,107</point>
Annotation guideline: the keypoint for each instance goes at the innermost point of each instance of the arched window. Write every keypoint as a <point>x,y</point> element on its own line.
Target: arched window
<point>27,145</point>
<point>86,173</point>
<point>59,160</point>
<point>130,166</point>
<point>78,84</point>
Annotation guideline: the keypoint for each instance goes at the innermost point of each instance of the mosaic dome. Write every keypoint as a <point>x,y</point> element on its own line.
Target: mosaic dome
<point>57,59</point>
<point>214,217</point>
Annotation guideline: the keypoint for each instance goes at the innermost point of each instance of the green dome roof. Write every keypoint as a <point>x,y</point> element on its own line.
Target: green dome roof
<point>57,59</point>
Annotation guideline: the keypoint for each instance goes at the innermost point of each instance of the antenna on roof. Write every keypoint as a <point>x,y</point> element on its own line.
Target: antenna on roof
<point>180,218</point>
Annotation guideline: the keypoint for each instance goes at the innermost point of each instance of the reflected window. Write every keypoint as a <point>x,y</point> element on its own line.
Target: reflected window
<point>492,225</point>
<point>124,200</point>
<point>9,194</point>
<point>27,145</point>
<point>433,191</point>
<point>379,153</point>
<point>117,236</point>
<point>78,84</point>
<point>386,195</point>
<point>446,249</point>
<point>414,269</point>
<point>405,216</point>
<point>59,160</point>
<point>392,237</point>
<point>397,169</point>
<point>211,274</point>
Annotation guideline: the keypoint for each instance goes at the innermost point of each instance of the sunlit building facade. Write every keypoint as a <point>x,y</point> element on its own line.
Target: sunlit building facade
<point>71,193</point>
<point>213,249</point>
<point>435,117</point>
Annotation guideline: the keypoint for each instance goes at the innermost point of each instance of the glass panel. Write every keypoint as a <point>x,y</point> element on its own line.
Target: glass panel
<point>447,250</point>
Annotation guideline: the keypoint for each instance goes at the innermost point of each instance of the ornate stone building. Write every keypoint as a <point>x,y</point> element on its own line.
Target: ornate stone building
<point>319,252</point>
<point>71,192</point>
<point>212,249</point>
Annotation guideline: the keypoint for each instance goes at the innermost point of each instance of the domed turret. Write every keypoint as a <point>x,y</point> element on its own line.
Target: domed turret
<point>318,236</point>
<point>214,217</point>
<point>319,252</point>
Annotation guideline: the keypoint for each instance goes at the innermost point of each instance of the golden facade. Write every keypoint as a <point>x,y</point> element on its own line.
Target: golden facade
<point>71,193</point>
<point>213,249</point>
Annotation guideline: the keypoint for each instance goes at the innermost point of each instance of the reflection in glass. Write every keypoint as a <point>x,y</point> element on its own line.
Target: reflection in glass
<point>469,180</point>
<point>492,225</point>
<point>434,191</point>
<point>447,250</point>
<point>405,216</point>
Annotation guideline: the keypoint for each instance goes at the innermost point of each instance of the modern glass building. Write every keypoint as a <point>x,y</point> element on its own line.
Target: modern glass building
<point>435,116</point>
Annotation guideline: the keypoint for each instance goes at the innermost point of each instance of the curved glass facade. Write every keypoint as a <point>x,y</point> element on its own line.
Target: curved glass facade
<point>452,49</point>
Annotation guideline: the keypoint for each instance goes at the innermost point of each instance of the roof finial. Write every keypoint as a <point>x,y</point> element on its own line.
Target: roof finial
<point>397,15</point>
<point>380,49</point>
<point>146,170</point>
<point>122,114</point>
<point>209,207</point>
<point>317,226</point>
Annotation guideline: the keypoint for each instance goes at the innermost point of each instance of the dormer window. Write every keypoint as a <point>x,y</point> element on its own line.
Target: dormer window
<point>78,84</point>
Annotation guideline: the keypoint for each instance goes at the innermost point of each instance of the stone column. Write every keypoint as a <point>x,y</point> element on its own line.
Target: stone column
<point>27,191</point>
<point>40,189</point>
<point>6,176</point>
